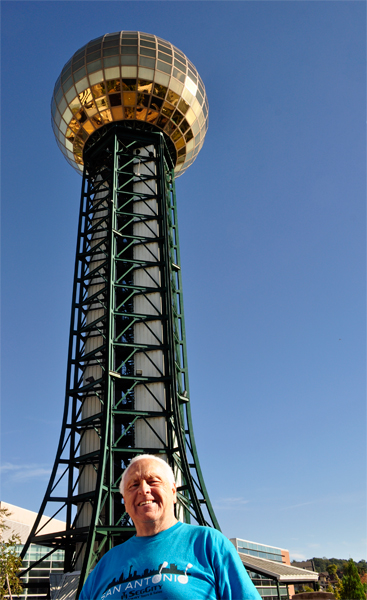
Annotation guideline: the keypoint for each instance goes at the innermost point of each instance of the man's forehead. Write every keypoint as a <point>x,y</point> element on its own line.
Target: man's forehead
<point>146,467</point>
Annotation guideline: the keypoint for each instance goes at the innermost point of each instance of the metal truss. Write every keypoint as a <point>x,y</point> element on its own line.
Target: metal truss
<point>127,390</point>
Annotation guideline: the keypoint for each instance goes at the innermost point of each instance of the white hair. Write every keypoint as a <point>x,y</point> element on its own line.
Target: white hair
<point>168,469</point>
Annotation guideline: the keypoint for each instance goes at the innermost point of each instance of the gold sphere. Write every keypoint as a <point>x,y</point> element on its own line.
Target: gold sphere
<point>130,76</point>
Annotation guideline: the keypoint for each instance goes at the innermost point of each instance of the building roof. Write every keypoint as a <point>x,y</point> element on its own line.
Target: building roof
<point>277,570</point>
<point>20,521</point>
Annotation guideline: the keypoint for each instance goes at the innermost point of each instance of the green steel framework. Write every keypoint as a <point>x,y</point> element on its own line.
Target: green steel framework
<point>105,244</point>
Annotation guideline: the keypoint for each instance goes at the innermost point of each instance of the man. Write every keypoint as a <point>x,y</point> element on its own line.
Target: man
<point>166,559</point>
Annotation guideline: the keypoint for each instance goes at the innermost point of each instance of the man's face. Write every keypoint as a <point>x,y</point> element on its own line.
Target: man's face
<point>149,497</point>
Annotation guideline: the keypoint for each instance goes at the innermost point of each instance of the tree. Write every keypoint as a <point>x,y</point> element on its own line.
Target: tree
<point>10,562</point>
<point>351,586</point>
<point>332,570</point>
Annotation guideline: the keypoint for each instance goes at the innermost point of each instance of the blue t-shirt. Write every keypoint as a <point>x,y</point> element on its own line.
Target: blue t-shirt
<point>184,562</point>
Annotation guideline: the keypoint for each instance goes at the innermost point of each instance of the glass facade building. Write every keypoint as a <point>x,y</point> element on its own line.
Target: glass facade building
<point>264,585</point>
<point>52,564</point>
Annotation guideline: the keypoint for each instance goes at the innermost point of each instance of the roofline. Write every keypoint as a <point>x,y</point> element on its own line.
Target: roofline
<point>303,575</point>
<point>258,544</point>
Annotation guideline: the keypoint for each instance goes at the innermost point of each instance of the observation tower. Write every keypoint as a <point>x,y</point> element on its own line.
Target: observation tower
<point>130,113</point>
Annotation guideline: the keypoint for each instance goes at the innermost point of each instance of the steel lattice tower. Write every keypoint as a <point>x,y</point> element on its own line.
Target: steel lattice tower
<point>130,112</point>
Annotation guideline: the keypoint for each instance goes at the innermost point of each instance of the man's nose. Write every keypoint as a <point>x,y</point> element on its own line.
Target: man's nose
<point>144,487</point>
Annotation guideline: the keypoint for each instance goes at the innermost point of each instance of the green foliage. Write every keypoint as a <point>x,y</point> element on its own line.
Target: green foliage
<point>10,563</point>
<point>351,585</point>
<point>322,565</point>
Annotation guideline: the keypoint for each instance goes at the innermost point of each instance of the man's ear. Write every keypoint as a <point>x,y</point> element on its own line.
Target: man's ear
<point>174,493</point>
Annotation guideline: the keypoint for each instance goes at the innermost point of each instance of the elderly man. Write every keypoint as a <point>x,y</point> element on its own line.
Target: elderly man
<point>167,558</point>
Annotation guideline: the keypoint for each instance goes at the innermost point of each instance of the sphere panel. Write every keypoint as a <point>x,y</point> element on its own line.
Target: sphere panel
<point>130,76</point>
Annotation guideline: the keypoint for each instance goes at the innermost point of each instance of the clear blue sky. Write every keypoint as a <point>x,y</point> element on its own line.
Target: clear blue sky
<point>272,229</point>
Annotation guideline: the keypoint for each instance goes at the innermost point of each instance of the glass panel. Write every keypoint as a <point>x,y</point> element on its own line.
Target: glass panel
<point>164,47</point>
<point>106,116</point>
<point>192,76</point>
<point>58,96</point>
<point>184,126</point>
<point>179,54</point>
<point>145,44</point>
<point>172,97</point>
<point>129,113</point>
<point>163,67</point>
<point>70,94</point>
<point>180,76</point>
<point>78,63</point>
<point>112,61</point>
<point>78,55</point>
<point>99,89</point>
<point>176,86</point>
<point>102,103</point>
<point>156,103</point>
<point>179,66</point>
<point>81,85</point>
<point>159,90</point>
<point>147,62</point>
<point>151,115</point>
<point>182,152</point>
<point>108,43</point>
<point>94,56</point>
<point>94,66</point>
<point>97,121</point>
<point>145,86</point>
<point>96,77</point>
<point>183,106</point>
<point>113,85</point>
<point>170,128</point>
<point>129,98</point>
<point>147,74</point>
<point>177,117</point>
<point>66,72</point>
<point>117,113</point>
<point>167,109</point>
<point>161,78</point>
<point>141,113</point>
<point>189,136</point>
<point>165,57</point>
<point>162,121</point>
<point>112,36</point>
<point>128,71</point>
<point>176,135</point>
<point>67,85</point>
<point>93,47</point>
<point>129,59</point>
<point>129,49</point>
<point>115,99</point>
<point>147,52</point>
<point>81,116</point>
<point>143,100</point>
<point>62,105</point>
<point>129,84</point>
<point>111,51</point>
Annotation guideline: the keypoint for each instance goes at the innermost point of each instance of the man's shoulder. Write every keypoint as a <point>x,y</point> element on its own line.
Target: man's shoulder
<point>201,531</point>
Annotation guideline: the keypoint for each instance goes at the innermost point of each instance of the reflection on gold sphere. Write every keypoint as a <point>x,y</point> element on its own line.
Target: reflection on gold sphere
<point>136,77</point>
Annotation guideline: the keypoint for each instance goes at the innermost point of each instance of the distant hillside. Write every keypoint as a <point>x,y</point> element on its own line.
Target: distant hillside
<point>321,564</point>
